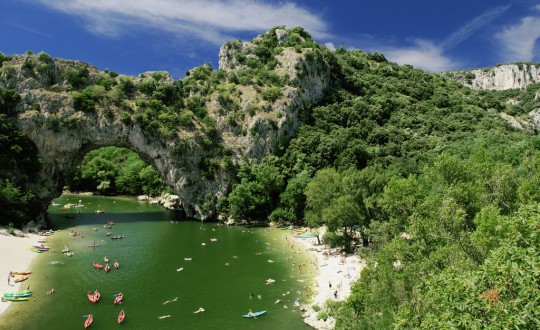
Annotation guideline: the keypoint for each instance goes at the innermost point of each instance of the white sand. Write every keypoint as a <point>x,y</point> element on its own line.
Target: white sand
<point>335,272</point>
<point>14,256</point>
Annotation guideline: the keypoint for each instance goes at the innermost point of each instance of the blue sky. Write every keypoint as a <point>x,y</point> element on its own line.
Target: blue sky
<point>134,36</point>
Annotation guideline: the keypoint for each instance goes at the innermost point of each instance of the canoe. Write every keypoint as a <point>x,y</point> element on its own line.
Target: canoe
<point>18,294</point>
<point>254,314</point>
<point>15,298</point>
<point>118,298</point>
<point>93,297</point>
<point>88,321</point>
<point>97,265</point>
<point>121,316</point>
<point>21,273</point>
<point>21,279</point>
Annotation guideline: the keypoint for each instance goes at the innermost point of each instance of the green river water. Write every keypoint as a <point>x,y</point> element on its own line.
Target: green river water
<point>219,277</point>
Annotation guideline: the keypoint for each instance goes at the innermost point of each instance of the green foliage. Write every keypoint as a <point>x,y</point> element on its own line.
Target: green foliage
<point>119,171</point>
<point>8,101</point>
<point>257,193</point>
<point>77,75</point>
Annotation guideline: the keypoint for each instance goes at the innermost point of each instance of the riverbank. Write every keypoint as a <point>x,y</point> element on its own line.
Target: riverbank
<point>335,275</point>
<point>15,257</point>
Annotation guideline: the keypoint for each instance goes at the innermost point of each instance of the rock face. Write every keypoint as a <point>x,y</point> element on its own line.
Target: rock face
<point>63,135</point>
<point>504,77</point>
<point>501,77</point>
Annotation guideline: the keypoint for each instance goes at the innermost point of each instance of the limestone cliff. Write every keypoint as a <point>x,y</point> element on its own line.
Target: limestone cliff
<point>194,140</point>
<point>517,76</point>
<point>501,77</point>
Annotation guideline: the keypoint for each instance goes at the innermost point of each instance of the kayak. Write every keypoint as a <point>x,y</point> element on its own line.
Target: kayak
<point>41,247</point>
<point>118,298</point>
<point>22,279</point>
<point>121,316</point>
<point>118,237</point>
<point>88,321</point>
<point>35,250</point>
<point>97,265</point>
<point>254,314</point>
<point>15,298</point>
<point>18,294</point>
<point>21,273</point>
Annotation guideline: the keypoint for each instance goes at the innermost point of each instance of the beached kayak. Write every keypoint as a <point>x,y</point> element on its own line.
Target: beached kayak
<point>21,273</point>
<point>18,294</point>
<point>121,316</point>
<point>35,250</point>
<point>88,321</point>
<point>14,298</point>
<point>254,314</point>
<point>21,279</point>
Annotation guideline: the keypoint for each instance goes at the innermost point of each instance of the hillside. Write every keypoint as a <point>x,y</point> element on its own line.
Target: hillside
<point>433,182</point>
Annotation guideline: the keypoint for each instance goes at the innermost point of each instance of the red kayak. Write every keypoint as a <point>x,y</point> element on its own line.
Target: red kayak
<point>107,268</point>
<point>88,321</point>
<point>121,316</point>
<point>93,297</point>
<point>116,265</point>
<point>97,265</point>
<point>118,298</point>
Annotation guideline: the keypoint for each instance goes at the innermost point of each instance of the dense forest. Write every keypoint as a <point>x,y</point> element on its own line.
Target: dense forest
<point>416,172</point>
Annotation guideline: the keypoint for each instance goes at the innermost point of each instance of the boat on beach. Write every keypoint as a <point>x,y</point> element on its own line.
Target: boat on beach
<point>14,298</point>
<point>18,294</point>
<point>21,273</point>
<point>21,279</point>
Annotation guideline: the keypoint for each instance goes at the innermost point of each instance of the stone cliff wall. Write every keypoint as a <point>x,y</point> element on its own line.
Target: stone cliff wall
<point>64,135</point>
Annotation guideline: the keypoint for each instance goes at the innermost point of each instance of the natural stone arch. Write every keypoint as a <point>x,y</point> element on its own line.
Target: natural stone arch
<point>46,97</point>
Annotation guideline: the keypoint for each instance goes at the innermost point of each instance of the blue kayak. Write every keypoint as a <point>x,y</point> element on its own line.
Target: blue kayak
<point>255,314</point>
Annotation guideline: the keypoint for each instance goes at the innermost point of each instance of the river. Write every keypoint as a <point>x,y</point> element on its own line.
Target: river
<point>167,271</point>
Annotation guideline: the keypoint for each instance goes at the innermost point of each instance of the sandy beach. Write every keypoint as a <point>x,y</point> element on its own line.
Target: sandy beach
<point>335,275</point>
<point>15,256</point>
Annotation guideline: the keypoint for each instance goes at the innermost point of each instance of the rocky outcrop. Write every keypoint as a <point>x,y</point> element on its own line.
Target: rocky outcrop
<point>64,134</point>
<point>501,77</point>
<point>504,77</point>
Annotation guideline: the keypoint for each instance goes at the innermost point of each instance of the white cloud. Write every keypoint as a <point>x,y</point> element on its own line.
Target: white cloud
<point>424,55</point>
<point>472,26</point>
<point>330,46</point>
<point>518,41</point>
<point>210,20</point>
